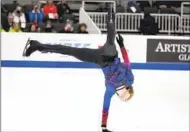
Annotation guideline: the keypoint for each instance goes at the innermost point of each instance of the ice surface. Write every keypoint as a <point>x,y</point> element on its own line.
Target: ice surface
<point>71,100</point>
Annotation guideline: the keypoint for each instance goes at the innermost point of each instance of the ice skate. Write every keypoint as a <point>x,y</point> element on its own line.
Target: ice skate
<point>30,47</point>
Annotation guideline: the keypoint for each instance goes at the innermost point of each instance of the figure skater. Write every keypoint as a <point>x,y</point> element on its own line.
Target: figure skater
<point>118,76</point>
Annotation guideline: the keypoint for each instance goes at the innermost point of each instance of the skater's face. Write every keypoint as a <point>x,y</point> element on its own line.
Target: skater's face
<point>124,94</point>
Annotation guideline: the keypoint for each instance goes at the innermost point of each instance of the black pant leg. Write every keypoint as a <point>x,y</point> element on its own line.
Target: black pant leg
<point>83,54</point>
<point>109,48</point>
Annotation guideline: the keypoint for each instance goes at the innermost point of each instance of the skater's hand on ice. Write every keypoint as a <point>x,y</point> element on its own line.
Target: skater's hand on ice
<point>120,40</point>
<point>106,130</point>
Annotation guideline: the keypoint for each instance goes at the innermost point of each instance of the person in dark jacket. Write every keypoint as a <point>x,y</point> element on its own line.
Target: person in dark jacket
<point>148,26</point>
<point>82,28</point>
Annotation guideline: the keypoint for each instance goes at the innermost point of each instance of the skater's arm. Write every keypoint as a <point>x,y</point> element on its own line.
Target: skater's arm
<point>123,50</point>
<point>106,105</point>
<point>125,56</point>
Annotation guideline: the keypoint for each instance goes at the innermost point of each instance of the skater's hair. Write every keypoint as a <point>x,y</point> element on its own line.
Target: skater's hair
<point>131,91</point>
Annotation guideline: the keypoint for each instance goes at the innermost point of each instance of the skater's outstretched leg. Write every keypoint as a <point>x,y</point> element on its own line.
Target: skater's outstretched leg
<point>83,54</point>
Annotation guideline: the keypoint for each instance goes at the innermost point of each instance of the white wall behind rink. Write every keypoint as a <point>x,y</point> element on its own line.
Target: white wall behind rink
<point>13,45</point>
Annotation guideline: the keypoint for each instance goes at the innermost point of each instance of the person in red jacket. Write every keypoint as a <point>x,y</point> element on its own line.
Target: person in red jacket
<point>50,10</point>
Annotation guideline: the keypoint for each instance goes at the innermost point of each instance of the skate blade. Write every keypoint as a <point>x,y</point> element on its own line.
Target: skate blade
<point>26,47</point>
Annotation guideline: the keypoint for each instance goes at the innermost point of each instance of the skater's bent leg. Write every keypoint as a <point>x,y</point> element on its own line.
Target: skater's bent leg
<point>111,32</point>
<point>109,48</point>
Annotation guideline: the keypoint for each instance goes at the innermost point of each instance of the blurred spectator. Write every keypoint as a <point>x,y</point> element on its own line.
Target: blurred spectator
<point>68,28</point>
<point>10,19</point>
<point>133,7</point>
<point>19,17</point>
<point>36,15</point>
<point>33,28</point>
<point>49,27</point>
<point>50,10</point>
<point>11,7</point>
<point>160,4</point>
<point>3,9</point>
<point>143,4</point>
<point>82,28</point>
<point>148,26</point>
<point>4,22</point>
<point>63,8</point>
<point>15,28</point>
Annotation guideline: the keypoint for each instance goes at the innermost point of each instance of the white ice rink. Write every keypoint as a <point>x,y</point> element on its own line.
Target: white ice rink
<point>71,100</point>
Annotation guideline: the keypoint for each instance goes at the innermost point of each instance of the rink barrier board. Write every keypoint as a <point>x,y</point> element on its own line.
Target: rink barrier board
<point>11,55</point>
<point>136,45</point>
<point>80,65</point>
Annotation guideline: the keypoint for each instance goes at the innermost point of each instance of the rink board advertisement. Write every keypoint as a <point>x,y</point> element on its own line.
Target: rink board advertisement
<point>168,50</point>
<point>140,52</point>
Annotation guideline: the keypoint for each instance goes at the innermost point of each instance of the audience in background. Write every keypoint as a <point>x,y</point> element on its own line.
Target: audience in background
<point>36,15</point>
<point>10,19</point>
<point>19,17</point>
<point>15,28</point>
<point>160,4</point>
<point>49,27</point>
<point>63,8</point>
<point>148,26</point>
<point>33,28</point>
<point>3,9</point>
<point>59,17</point>
<point>82,28</point>
<point>10,7</point>
<point>4,22</point>
<point>50,10</point>
<point>133,7</point>
<point>68,28</point>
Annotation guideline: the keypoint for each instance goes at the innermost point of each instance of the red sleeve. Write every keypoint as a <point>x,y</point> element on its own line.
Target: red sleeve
<point>45,10</point>
<point>125,56</point>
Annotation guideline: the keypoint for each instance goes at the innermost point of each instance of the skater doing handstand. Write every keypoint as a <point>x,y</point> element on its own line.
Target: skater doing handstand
<point>118,76</point>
